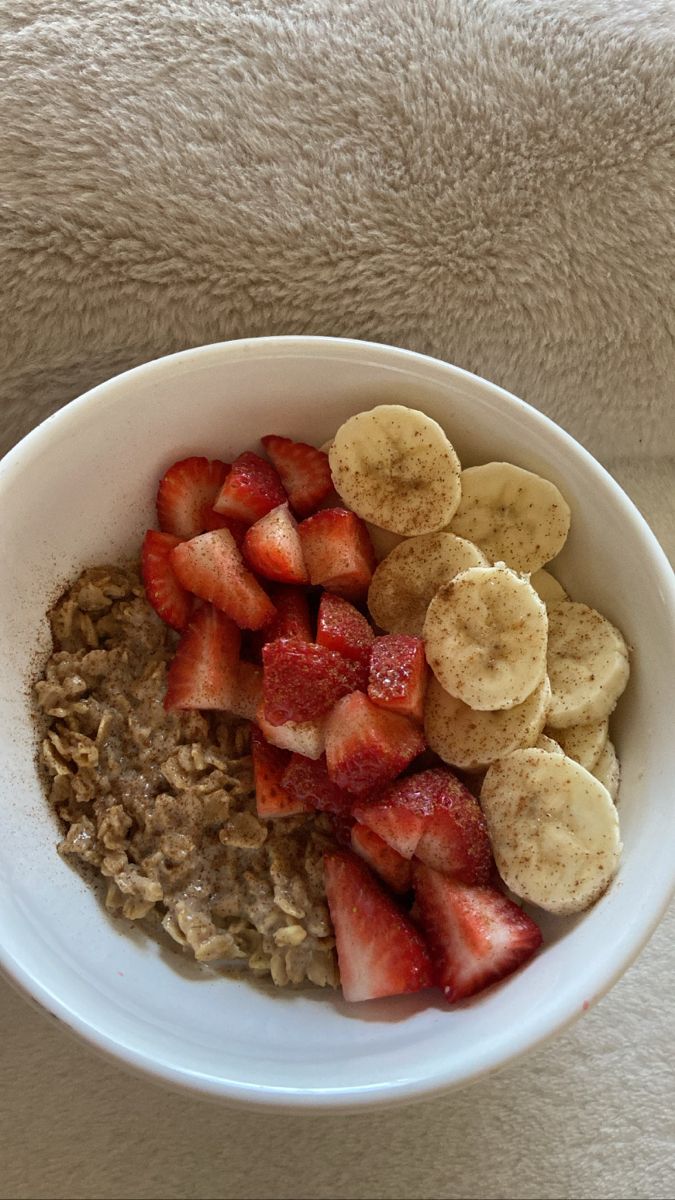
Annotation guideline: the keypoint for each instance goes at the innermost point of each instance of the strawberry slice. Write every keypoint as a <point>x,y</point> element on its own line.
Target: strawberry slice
<point>380,952</point>
<point>432,815</point>
<point>247,696</point>
<point>308,780</point>
<point>343,628</point>
<point>167,596</point>
<point>476,934</point>
<point>186,495</point>
<point>367,747</point>
<point>338,552</point>
<point>269,764</point>
<point>203,673</point>
<point>390,866</point>
<point>292,619</point>
<point>302,681</point>
<point>252,489</point>
<point>304,472</point>
<point>307,737</point>
<point>398,674</point>
<point>272,547</point>
<point>211,566</point>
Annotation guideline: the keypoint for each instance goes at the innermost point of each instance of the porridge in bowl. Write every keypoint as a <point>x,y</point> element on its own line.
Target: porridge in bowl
<point>327,767</point>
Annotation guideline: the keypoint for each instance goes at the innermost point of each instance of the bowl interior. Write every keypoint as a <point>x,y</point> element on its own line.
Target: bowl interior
<point>80,491</point>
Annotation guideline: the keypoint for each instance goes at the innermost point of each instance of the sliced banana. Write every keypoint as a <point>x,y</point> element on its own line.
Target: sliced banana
<point>587,665</point>
<point>485,637</point>
<point>608,770</point>
<point>394,466</point>
<point>514,516</point>
<point>544,742</point>
<point>383,541</point>
<point>546,586</point>
<point>406,581</point>
<point>583,743</point>
<point>471,740</point>
<point>553,828</point>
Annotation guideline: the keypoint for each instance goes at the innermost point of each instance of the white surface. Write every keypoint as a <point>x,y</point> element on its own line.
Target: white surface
<point>118,991</point>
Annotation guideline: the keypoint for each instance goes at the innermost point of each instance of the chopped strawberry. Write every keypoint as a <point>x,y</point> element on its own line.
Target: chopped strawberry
<point>247,696</point>
<point>390,866</point>
<point>304,472</point>
<point>476,934</point>
<point>186,495</point>
<point>272,547</point>
<point>307,737</point>
<point>211,566</point>
<point>167,596</point>
<point>203,673</point>
<point>343,628</point>
<point>455,839</point>
<point>380,952</point>
<point>398,674</point>
<point>214,520</point>
<point>367,747</point>
<point>292,619</point>
<point>432,815</point>
<point>338,552</point>
<point>302,681</point>
<point>269,764</point>
<point>308,780</point>
<point>251,489</point>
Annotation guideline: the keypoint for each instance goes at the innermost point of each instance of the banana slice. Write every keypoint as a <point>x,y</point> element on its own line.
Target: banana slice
<point>553,828</point>
<point>394,466</point>
<point>514,516</point>
<point>406,581</point>
<point>544,742</point>
<point>471,740</point>
<point>485,637</point>
<point>546,586</point>
<point>583,743</point>
<point>587,665</point>
<point>608,770</point>
<point>383,541</point>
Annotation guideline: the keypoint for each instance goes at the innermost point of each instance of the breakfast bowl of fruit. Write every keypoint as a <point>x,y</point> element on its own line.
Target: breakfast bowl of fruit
<point>336,746</point>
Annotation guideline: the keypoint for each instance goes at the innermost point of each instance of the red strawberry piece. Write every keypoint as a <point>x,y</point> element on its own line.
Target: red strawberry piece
<point>432,815</point>
<point>167,596</point>
<point>247,696</point>
<point>398,674</point>
<point>338,552</point>
<point>400,827</point>
<point>308,780</point>
<point>302,681</point>
<point>211,566</point>
<point>307,737</point>
<point>380,952</point>
<point>390,866</point>
<point>292,619</point>
<point>252,488</point>
<point>476,934</point>
<point>269,764</point>
<point>214,520</point>
<point>341,827</point>
<point>455,839</point>
<point>367,747</point>
<point>304,472</point>
<point>203,673</point>
<point>272,547</point>
<point>343,628</point>
<point>186,495</point>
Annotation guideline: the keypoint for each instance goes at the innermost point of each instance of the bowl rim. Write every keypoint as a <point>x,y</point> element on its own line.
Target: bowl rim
<point>276,1097</point>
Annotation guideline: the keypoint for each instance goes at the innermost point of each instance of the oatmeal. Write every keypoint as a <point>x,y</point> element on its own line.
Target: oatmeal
<point>163,804</point>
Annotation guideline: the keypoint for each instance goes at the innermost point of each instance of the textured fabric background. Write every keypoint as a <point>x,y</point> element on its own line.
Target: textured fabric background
<point>490,181</point>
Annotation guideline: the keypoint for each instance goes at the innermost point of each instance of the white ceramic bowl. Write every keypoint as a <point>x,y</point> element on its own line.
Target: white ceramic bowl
<point>79,490</point>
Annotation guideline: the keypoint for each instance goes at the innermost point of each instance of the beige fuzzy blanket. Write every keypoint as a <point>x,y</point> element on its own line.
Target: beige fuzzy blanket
<point>490,181</point>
